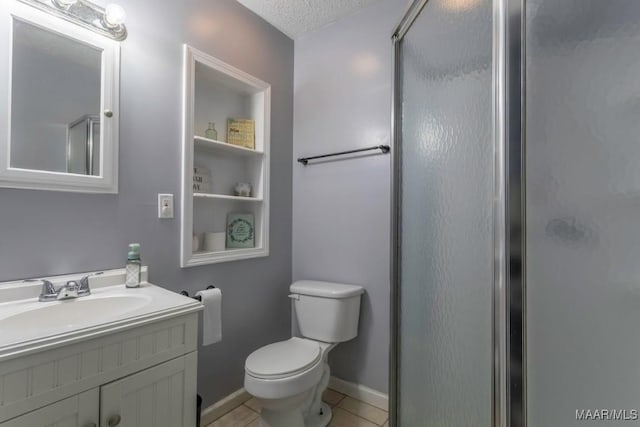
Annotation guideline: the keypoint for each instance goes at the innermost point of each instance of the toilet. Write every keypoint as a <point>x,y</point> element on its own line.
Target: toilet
<point>287,378</point>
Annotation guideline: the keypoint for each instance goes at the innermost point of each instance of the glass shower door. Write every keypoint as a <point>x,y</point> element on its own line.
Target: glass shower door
<point>583,211</point>
<point>444,356</point>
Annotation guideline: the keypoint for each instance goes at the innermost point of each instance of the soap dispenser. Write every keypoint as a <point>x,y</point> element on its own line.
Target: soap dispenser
<point>133,269</point>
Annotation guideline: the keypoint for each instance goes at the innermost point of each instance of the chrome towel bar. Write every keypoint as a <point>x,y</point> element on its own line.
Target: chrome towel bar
<point>383,148</point>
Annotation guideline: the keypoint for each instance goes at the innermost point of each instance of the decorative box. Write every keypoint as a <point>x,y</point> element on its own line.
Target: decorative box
<point>240,231</point>
<point>241,132</point>
<point>201,180</point>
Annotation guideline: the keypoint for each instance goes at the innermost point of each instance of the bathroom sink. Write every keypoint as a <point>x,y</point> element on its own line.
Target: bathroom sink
<point>27,324</point>
<point>72,313</point>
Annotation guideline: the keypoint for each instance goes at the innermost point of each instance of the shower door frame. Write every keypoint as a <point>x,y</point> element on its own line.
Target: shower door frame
<point>508,305</point>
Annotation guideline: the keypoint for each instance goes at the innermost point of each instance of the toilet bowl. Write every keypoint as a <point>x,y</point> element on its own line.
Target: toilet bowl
<point>287,378</point>
<point>283,378</point>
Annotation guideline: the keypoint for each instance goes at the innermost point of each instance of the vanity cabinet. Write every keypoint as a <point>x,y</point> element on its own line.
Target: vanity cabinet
<point>216,92</point>
<point>162,396</point>
<point>77,411</point>
<point>142,375</point>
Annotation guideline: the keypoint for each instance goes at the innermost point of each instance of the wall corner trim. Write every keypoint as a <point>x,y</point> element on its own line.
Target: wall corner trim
<point>360,392</point>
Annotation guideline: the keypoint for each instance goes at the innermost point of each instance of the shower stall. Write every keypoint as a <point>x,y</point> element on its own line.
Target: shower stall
<point>516,249</point>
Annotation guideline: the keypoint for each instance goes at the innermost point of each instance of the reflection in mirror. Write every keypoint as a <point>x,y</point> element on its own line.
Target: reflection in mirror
<point>82,144</point>
<point>55,102</point>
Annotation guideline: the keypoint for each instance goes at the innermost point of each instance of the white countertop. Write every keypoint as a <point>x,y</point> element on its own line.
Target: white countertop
<point>27,324</point>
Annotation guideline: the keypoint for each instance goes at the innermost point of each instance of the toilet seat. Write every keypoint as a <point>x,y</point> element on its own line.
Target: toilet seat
<point>283,359</point>
<point>284,369</point>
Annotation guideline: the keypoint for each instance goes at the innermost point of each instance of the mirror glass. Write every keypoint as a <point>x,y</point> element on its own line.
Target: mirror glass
<point>55,102</point>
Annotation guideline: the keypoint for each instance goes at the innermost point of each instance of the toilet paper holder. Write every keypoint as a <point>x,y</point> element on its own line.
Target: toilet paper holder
<point>198,297</point>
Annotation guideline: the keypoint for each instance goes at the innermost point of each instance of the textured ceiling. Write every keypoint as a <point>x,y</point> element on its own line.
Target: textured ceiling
<point>295,17</point>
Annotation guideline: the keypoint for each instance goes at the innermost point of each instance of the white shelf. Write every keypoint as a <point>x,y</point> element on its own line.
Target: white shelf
<point>214,92</point>
<point>226,197</point>
<point>204,253</point>
<point>219,147</point>
<point>211,257</point>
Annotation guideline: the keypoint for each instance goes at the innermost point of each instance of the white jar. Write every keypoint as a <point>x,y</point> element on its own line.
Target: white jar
<point>243,189</point>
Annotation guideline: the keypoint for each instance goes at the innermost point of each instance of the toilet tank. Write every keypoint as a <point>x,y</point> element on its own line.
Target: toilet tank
<point>326,311</point>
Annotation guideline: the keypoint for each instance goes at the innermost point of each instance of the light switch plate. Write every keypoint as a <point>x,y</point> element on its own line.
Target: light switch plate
<point>165,206</point>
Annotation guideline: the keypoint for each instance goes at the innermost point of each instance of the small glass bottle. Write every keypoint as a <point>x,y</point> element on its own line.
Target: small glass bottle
<point>133,269</point>
<point>211,132</point>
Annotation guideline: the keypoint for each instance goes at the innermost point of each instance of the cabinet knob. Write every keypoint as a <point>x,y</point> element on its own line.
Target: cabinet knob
<point>108,113</point>
<point>113,421</point>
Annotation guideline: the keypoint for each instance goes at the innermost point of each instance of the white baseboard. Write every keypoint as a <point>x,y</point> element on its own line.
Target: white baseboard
<point>360,392</point>
<point>223,406</point>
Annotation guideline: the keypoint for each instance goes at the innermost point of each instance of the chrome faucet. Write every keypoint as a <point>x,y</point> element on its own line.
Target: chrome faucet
<point>67,291</point>
<point>47,290</point>
<point>71,289</point>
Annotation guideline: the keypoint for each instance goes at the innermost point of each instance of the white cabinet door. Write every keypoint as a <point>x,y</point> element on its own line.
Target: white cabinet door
<point>162,396</point>
<point>76,411</point>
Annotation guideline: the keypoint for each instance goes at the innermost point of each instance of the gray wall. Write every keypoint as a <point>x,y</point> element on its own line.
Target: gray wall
<point>341,209</point>
<point>47,233</point>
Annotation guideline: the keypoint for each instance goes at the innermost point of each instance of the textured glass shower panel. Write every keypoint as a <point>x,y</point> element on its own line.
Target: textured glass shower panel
<point>445,376</point>
<point>583,209</point>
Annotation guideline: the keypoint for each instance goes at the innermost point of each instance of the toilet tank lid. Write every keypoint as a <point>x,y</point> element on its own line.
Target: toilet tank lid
<point>318,288</point>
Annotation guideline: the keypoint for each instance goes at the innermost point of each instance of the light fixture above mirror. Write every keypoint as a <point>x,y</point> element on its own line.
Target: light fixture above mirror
<point>108,21</point>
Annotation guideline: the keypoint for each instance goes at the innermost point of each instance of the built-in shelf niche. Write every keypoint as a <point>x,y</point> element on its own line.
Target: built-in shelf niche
<point>214,92</point>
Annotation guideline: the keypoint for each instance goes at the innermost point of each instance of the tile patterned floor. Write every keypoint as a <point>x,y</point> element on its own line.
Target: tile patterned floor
<point>347,412</point>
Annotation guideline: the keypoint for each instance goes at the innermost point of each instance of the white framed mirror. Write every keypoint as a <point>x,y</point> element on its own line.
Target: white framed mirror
<point>61,91</point>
